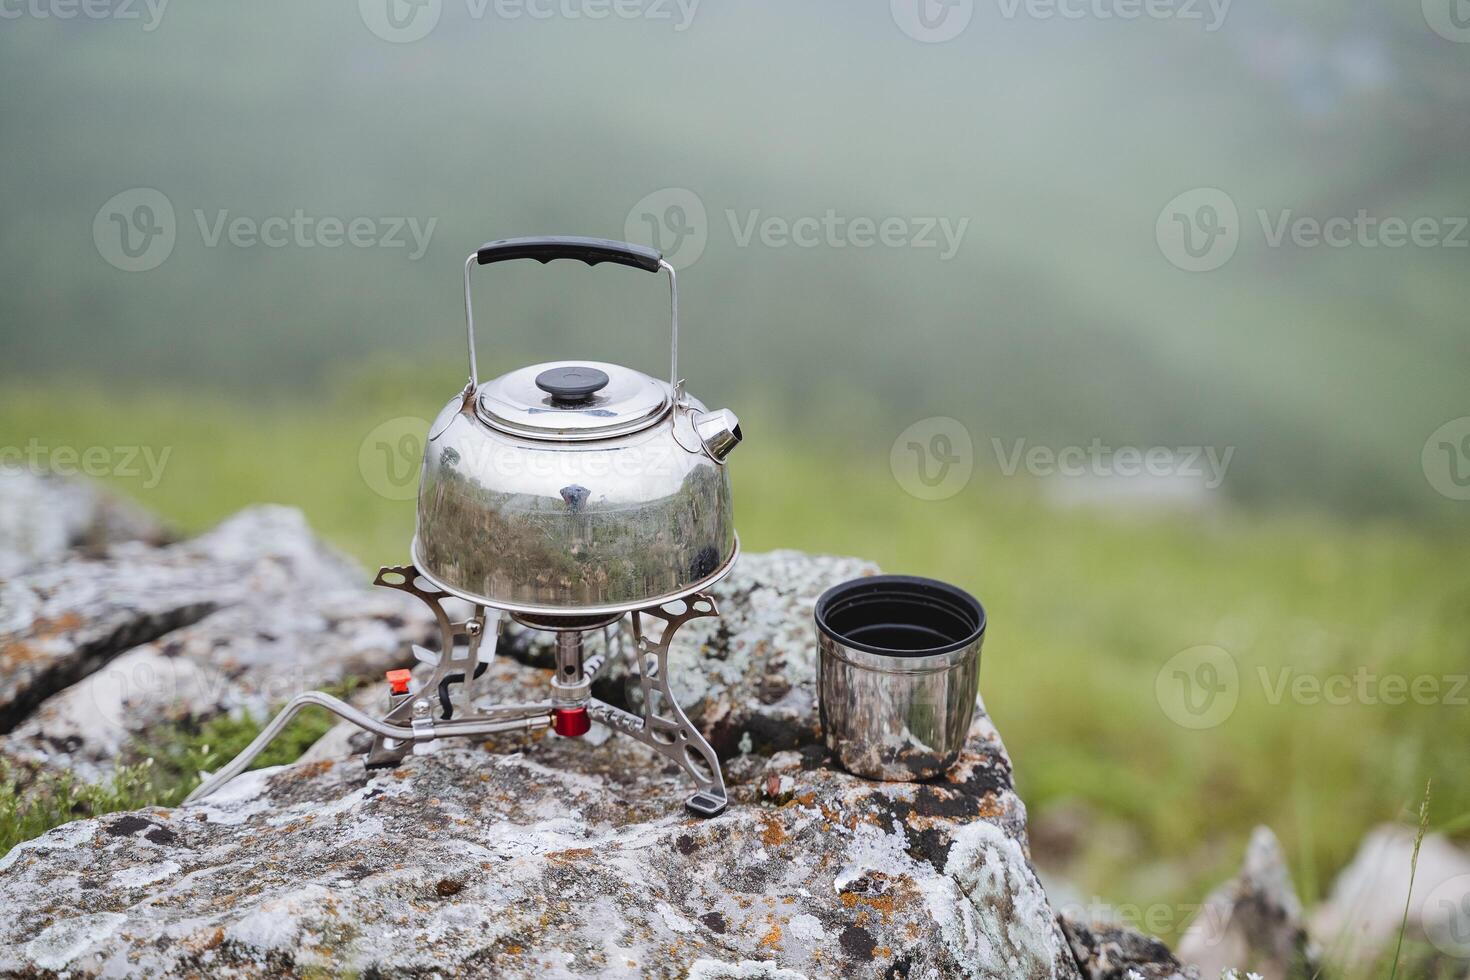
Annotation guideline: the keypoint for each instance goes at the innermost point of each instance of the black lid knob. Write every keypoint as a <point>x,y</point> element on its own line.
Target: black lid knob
<point>572,385</point>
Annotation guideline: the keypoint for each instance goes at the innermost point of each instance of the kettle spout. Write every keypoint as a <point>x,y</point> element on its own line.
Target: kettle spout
<point>719,433</point>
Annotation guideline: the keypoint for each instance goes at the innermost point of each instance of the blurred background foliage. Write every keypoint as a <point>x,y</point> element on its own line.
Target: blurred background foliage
<point>1058,321</point>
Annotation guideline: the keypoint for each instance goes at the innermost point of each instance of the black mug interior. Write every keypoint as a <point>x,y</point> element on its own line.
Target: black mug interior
<point>900,616</point>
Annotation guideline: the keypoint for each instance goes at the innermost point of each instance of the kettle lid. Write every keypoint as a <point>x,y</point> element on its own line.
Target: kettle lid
<point>573,400</point>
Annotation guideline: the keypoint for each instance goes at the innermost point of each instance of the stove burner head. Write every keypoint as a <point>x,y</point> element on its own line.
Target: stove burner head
<point>563,624</point>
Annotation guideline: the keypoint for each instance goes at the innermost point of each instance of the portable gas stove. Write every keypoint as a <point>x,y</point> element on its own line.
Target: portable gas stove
<point>565,496</point>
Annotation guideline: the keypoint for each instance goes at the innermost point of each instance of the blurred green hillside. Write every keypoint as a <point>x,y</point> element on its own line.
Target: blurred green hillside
<point>1057,321</point>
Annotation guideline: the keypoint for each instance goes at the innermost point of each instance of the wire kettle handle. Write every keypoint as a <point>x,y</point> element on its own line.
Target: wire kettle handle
<point>592,251</point>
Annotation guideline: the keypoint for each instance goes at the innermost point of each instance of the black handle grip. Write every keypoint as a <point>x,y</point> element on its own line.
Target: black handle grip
<point>589,250</point>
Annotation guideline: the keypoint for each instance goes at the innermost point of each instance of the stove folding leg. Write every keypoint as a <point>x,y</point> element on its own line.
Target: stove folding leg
<point>664,727</point>
<point>454,665</point>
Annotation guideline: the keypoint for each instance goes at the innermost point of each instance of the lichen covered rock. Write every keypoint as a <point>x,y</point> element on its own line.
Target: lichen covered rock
<point>94,652</point>
<point>1253,921</point>
<point>535,856</point>
<point>1116,952</point>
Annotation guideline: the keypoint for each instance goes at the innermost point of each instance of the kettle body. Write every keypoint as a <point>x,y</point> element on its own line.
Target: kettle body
<point>575,488</point>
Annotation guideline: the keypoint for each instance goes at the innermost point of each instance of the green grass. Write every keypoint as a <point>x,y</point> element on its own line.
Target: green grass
<point>172,759</point>
<point>1085,611</point>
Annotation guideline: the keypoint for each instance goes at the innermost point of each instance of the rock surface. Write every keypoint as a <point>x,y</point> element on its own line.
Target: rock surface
<point>546,857</point>
<point>1254,921</point>
<point>1114,952</point>
<point>240,618</point>
<point>45,517</point>
<point>528,856</point>
<point>1363,912</point>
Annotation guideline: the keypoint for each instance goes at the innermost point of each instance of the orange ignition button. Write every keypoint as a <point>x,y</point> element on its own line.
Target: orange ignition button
<point>398,680</point>
<point>570,722</point>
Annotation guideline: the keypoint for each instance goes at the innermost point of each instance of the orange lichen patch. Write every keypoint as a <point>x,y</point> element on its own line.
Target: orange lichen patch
<point>772,938</point>
<point>773,833</point>
<point>569,855</point>
<point>882,952</point>
<point>45,629</point>
<point>313,769</point>
<point>201,943</point>
<point>913,930</point>
<point>884,905</point>
<point>514,950</point>
<point>16,653</point>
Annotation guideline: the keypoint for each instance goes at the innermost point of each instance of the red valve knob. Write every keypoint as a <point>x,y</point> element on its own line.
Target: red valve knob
<point>398,680</point>
<point>570,722</point>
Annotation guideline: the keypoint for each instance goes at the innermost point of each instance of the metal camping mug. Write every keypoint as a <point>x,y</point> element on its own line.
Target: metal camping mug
<point>897,674</point>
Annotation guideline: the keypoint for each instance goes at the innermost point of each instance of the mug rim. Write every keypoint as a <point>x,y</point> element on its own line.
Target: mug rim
<point>912,586</point>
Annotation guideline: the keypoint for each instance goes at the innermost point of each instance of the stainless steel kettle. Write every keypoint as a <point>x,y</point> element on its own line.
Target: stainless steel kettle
<point>575,487</point>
